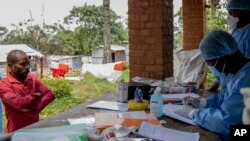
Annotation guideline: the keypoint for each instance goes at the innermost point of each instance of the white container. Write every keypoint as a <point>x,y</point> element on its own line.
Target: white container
<point>122,92</point>
<point>156,103</point>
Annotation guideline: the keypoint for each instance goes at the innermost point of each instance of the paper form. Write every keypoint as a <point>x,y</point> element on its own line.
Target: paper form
<point>133,115</point>
<point>111,105</point>
<point>88,120</point>
<point>173,97</point>
<point>107,119</point>
<point>165,134</point>
<point>168,110</point>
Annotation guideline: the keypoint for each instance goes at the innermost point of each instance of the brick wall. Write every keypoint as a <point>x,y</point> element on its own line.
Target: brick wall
<point>193,23</point>
<point>150,25</point>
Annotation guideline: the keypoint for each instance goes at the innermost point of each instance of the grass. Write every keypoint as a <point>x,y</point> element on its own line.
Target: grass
<point>83,91</point>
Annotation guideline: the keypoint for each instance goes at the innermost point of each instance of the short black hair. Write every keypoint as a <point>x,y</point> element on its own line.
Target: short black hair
<point>12,56</point>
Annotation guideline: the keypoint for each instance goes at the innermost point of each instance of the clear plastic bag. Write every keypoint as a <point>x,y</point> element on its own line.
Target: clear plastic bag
<point>60,133</point>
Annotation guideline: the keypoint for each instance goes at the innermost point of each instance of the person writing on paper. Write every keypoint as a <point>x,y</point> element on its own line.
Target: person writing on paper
<point>239,21</point>
<point>23,96</point>
<point>216,113</point>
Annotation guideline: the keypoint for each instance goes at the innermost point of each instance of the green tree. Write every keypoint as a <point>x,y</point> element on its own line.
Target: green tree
<point>216,16</point>
<point>178,29</point>
<point>215,20</point>
<point>3,31</point>
<point>89,28</point>
<point>83,34</point>
<point>106,34</point>
<point>25,34</point>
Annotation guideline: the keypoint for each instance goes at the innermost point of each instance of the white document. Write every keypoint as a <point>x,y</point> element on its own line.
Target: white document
<point>111,105</point>
<point>168,110</point>
<point>131,115</point>
<point>88,120</point>
<point>176,97</point>
<point>165,134</point>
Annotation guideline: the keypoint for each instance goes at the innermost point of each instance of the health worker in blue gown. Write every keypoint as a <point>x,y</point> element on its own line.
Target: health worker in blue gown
<point>216,113</point>
<point>239,22</point>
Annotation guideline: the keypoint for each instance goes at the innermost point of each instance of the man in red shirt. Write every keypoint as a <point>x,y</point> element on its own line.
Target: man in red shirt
<point>23,96</point>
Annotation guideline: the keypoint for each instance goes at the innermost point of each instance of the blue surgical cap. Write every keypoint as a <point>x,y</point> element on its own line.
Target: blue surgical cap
<point>217,44</point>
<point>238,5</point>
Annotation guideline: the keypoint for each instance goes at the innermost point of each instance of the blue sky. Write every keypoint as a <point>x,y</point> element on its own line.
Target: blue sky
<point>14,11</point>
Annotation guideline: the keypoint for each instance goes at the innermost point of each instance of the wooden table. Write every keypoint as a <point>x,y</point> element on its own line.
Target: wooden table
<point>81,110</point>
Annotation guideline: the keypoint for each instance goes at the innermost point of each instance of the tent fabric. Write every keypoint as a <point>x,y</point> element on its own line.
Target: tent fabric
<point>5,49</point>
<point>191,66</point>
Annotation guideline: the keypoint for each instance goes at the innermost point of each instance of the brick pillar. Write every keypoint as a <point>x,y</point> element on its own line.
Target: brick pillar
<point>150,24</point>
<point>193,23</point>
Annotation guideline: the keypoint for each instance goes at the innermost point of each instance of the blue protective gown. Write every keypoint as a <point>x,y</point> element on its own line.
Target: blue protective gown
<point>226,108</point>
<point>242,37</point>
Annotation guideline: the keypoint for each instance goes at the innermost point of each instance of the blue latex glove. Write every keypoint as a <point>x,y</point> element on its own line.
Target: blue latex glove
<point>186,111</point>
<point>195,102</point>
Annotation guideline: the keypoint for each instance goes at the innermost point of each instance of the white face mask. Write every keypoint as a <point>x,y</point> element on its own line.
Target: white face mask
<point>232,21</point>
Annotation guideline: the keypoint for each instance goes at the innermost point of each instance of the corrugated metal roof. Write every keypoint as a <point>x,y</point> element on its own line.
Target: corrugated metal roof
<point>116,47</point>
<point>5,49</point>
<point>61,57</point>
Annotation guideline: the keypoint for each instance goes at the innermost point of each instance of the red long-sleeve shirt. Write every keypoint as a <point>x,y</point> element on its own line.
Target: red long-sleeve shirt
<point>22,105</point>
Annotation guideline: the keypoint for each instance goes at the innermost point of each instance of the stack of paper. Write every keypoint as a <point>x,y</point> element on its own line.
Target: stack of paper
<point>173,98</point>
<point>165,134</point>
<point>127,119</point>
<point>117,106</point>
<point>169,109</point>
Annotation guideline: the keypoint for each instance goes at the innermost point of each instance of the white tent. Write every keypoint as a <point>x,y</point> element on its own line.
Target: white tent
<point>29,50</point>
<point>5,49</point>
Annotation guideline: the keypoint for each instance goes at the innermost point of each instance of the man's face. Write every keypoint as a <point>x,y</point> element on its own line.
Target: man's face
<point>20,69</point>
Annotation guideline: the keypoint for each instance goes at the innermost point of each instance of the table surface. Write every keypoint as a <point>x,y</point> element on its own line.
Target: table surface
<point>81,110</point>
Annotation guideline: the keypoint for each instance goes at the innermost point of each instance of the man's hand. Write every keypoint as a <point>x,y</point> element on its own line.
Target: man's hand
<point>37,94</point>
<point>25,110</point>
<point>186,111</point>
<point>195,102</point>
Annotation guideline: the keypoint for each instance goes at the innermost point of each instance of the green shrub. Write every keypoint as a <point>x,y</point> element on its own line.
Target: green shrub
<point>60,86</point>
<point>210,78</point>
<point>126,66</point>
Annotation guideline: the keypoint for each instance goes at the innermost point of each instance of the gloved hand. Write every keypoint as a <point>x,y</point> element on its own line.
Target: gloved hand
<point>246,93</point>
<point>195,102</point>
<point>246,117</point>
<point>186,111</point>
<point>246,112</point>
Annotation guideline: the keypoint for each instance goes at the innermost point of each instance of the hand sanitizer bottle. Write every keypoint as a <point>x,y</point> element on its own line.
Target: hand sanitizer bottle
<point>156,103</point>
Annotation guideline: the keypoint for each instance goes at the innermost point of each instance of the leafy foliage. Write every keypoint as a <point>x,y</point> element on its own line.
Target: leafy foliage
<point>84,32</point>
<point>125,73</point>
<point>178,30</point>
<point>89,30</point>
<point>61,87</point>
<point>215,20</point>
<point>85,90</point>
<point>3,30</point>
<point>210,78</point>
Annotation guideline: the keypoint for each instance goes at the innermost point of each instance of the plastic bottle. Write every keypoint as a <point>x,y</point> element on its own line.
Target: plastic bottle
<point>138,95</point>
<point>156,103</point>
